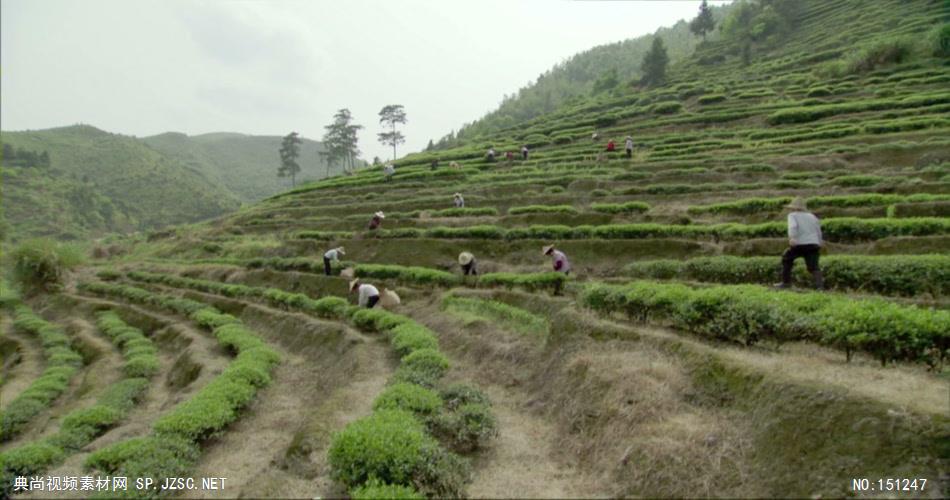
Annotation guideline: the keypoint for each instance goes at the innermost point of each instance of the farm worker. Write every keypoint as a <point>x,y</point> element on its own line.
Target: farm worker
<point>558,259</point>
<point>594,136</point>
<point>459,201</point>
<point>491,153</point>
<point>467,261</point>
<point>332,255</point>
<point>524,152</point>
<point>389,170</point>
<point>629,146</point>
<point>376,220</point>
<point>368,294</point>
<point>435,164</point>
<point>804,240</point>
<point>454,165</point>
<point>509,157</point>
<point>611,147</point>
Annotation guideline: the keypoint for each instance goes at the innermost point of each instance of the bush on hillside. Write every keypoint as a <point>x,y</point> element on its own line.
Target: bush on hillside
<point>40,264</point>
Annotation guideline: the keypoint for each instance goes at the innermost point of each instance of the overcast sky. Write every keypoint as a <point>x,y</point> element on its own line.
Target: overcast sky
<point>268,67</point>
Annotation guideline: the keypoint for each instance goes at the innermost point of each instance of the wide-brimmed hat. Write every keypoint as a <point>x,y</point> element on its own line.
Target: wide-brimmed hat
<point>465,258</point>
<point>547,249</point>
<point>341,250</point>
<point>457,195</point>
<point>353,284</point>
<point>380,214</point>
<point>798,203</point>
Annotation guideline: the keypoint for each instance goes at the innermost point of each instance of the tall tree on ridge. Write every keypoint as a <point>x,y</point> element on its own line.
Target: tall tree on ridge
<point>390,115</point>
<point>340,141</point>
<point>289,152</point>
<point>703,22</point>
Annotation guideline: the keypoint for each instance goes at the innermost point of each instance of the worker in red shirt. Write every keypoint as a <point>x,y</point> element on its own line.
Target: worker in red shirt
<point>611,147</point>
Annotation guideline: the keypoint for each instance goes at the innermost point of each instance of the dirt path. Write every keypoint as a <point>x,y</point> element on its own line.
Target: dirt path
<point>19,376</point>
<point>253,453</point>
<point>523,460</point>
<point>520,461</point>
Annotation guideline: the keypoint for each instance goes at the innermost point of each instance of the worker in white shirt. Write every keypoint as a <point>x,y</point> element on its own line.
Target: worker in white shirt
<point>332,255</point>
<point>368,294</point>
<point>804,240</point>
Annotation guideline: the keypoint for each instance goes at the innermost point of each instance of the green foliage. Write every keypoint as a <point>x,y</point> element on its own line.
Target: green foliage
<point>901,275</point>
<point>551,281</point>
<point>667,108</point>
<point>711,98</point>
<point>466,427</point>
<point>748,314</point>
<point>288,152</point>
<point>630,207</point>
<point>389,446</point>
<point>510,316</point>
<point>654,64</point>
<point>542,209</point>
<point>408,397</point>
<point>39,264</point>
<point>373,490</point>
<point>141,357</point>
<point>464,212</point>
<point>61,364</point>
<point>811,113</point>
<point>421,275</point>
<point>423,367</point>
<point>410,337</point>
<point>155,457</point>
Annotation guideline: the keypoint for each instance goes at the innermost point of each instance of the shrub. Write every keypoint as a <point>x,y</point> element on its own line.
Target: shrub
<point>819,92</point>
<point>667,108</point>
<point>630,207</point>
<point>712,98</point>
<point>532,282</point>
<point>464,212</point>
<point>542,209</point>
<point>39,264</point>
<point>411,337</point>
<point>748,313</point>
<point>374,490</point>
<point>409,397</point>
<point>423,367</point>
<point>512,317</point>
<point>466,427</point>
<point>389,446</point>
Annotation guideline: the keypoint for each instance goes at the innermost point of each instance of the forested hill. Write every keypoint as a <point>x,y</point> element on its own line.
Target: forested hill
<point>243,164</point>
<point>594,71</point>
<point>78,182</point>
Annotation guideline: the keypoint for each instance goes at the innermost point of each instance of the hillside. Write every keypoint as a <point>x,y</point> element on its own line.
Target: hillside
<point>98,182</point>
<point>244,164</point>
<point>663,365</point>
<point>577,77</point>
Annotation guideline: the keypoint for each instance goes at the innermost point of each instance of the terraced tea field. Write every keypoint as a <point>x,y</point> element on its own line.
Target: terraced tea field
<point>663,365</point>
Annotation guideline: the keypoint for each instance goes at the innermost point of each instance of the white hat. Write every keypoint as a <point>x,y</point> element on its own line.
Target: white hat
<point>341,250</point>
<point>465,258</point>
<point>458,195</point>
<point>354,284</point>
<point>547,249</point>
<point>797,204</point>
<point>380,214</point>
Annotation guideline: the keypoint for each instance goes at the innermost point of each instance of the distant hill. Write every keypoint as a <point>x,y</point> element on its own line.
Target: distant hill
<point>244,164</point>
<point>97,182</point>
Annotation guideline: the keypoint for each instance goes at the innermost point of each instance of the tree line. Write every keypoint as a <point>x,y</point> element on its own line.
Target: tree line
<point>20,157</point>
<point>341,141</point>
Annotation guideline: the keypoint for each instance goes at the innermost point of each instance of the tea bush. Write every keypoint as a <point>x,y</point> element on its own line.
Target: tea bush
<point>542,209</point>
<point>39,264</point>
<point>423,367</point>
<point>62,362</point>
<point>630,207</point>
<point>748,314</point>
<point>408,397</point>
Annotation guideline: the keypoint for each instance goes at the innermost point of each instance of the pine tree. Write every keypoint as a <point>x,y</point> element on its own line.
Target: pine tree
<point>703,22</point>
<point>289,152</point>
<point>390,115</point>
<point>654,64</point>
<point>340,141</point>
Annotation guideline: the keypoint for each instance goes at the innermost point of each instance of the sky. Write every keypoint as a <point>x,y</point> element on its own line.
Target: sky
<point>268,67</point>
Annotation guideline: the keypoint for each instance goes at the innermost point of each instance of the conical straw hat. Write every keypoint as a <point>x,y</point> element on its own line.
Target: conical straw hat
<point>465,258</point>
